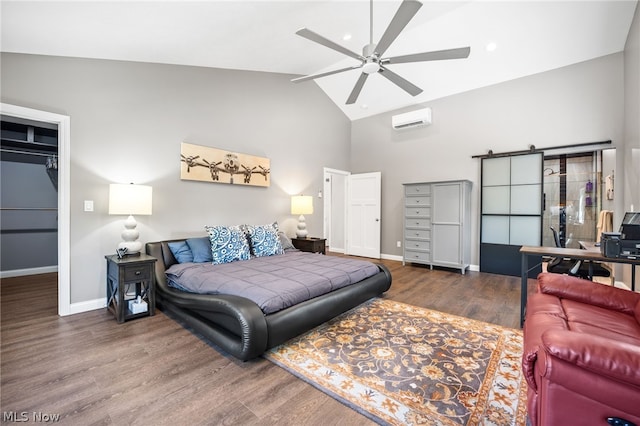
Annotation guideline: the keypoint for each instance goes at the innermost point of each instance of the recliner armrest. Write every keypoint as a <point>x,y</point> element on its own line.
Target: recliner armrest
<point>585,291</point>
<point>617,360</point>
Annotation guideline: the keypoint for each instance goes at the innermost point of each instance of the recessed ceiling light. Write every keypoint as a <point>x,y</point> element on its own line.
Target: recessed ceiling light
<point>490,47</point>
<point>346,37</point>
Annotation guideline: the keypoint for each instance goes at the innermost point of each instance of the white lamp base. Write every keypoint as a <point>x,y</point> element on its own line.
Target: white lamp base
<point>130,237</point>
<point>302,228</point>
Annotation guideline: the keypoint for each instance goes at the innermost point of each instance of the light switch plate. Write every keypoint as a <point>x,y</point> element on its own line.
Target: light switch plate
<point>88,205</point>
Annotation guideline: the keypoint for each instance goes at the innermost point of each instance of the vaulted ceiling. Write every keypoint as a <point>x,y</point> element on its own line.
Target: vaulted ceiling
<point>529,37</point>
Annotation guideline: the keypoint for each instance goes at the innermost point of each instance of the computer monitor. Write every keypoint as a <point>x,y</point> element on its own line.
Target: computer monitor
<point>630,227</point>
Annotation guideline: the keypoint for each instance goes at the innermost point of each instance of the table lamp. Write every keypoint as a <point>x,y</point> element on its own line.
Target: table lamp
<point>130,199</point>
<point>302,204</point>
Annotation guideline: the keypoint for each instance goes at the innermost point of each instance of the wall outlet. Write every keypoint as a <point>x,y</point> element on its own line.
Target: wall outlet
<point>399,243</point>
<point>88,205</point>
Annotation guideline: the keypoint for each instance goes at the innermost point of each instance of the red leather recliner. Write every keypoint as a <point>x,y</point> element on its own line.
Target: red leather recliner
<point>581,353</point>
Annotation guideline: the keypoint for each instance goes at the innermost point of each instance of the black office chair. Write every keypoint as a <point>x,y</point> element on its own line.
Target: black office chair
<point>575,267</point>
<point>564,265</point>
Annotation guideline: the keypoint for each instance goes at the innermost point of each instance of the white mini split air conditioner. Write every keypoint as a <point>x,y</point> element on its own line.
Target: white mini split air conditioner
<point>420,117</point>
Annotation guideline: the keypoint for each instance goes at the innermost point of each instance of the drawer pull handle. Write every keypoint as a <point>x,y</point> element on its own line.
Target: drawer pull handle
<point>138,272</point>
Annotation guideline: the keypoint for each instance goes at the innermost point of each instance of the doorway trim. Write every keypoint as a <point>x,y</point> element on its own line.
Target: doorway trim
<point>64,185</point>
<point>329,220</point>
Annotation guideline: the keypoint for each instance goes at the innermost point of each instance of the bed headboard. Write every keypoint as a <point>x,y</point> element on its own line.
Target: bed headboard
<point>161,251</point>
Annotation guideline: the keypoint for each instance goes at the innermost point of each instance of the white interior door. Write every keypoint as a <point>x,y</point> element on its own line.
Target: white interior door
<point>363,214</point>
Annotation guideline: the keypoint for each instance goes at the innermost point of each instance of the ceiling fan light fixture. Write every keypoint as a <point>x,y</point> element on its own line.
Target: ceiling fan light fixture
<point>371,66</point>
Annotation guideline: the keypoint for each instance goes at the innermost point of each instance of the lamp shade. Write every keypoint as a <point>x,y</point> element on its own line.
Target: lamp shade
<point>302,204</point>
<point>130,199</point>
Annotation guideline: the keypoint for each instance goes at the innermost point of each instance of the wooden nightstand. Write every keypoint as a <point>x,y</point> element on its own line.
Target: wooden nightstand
<point>128,278</point>
<point>310,244</point>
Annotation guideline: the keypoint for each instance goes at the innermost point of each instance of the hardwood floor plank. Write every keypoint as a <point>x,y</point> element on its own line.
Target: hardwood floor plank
<point>91,370</point>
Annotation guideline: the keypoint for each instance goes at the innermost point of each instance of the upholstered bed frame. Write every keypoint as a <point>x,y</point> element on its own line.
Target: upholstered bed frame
<point>237,325</point>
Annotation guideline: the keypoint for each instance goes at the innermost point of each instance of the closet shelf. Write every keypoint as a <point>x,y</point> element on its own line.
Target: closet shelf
<point>29,145</point>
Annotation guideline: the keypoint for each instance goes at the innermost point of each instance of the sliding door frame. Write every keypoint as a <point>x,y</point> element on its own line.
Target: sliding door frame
<point>511,211</point>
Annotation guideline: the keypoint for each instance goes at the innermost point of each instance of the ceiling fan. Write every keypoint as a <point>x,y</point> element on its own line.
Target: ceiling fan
<point>371,60</point>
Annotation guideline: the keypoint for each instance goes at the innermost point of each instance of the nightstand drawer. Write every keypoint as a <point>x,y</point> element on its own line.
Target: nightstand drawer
<point>137,272</point>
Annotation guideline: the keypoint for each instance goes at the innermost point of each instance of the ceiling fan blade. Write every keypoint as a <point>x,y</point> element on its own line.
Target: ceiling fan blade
<point>459,53</point>
<point>357,88</point>
<point>310,35</point>
<point>405,13</point>
<point>324,74</point>
<point>405,85</point>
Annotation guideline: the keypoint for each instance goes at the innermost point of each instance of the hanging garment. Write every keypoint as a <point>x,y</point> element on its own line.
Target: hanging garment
<point>605,223</point>
<point>608,186</point>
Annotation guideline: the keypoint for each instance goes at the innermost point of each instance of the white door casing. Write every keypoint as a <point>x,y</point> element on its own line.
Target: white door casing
<point>64,193</point>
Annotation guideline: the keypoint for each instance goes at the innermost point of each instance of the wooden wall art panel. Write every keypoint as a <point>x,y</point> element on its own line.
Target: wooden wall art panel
<point>206,164</point>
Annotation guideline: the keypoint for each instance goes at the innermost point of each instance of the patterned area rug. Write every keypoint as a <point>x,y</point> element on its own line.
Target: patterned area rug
<point>404,365</point>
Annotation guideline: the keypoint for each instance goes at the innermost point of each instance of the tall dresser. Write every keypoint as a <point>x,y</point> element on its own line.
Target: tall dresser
<point>437,224</point>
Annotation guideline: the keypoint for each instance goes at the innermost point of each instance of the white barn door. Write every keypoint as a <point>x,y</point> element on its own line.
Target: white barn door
<point>363,214</point>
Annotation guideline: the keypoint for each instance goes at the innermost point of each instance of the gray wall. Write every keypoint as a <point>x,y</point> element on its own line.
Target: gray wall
<point>631,159</point>
<point>631,114</point>
<point>575,104</point>
<point>128,120</point>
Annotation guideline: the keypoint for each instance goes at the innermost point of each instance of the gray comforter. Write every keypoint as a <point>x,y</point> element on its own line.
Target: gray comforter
<point>272,282</point>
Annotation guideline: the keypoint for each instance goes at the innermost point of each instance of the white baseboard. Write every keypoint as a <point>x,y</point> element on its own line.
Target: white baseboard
<point>474,268</point>
<point>391,257</point>
<point>28,271</point>
<point>89,305</point>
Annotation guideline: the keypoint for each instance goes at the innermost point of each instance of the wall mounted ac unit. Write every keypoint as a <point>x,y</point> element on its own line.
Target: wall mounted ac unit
<point>420,117</point>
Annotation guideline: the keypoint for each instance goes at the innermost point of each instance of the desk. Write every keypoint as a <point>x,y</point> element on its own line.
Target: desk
<point>594,255</point>
<point>594,247</point>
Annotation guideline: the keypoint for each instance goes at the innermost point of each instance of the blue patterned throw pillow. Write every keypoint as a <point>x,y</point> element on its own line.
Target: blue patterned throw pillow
<point>264,240</point>
<point>228,244</point>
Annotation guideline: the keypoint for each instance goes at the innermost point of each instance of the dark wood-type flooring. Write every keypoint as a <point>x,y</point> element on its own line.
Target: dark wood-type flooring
<point>90,370</point>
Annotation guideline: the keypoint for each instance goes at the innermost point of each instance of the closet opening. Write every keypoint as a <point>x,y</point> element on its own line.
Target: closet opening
<point>29,200</point>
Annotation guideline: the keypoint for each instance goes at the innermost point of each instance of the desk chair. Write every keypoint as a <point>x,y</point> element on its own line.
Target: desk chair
<point>575,267</point>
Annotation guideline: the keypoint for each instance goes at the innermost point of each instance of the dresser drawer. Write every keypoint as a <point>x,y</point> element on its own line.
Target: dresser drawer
<point>417,211</point>
<point>137,272</point>
<point>417,256</point>
<point>410,223</point>
<point>418,201</point>
<point>417,245</point>
<point>420,234</point>
<point>417,189</point>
